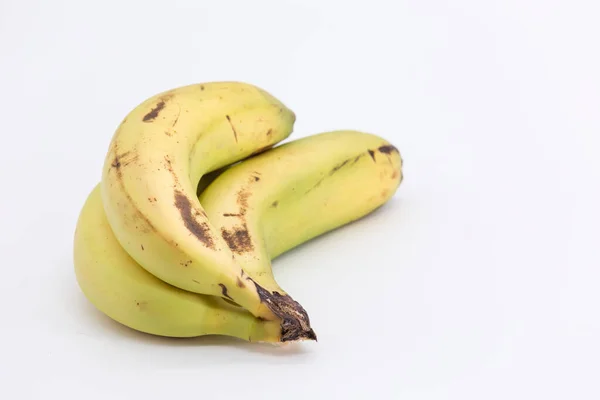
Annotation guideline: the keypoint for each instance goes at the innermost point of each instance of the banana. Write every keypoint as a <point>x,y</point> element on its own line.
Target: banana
<point>263,206</point>
<point>274,201</point>
<point>127,293</point>
<point>155,160</point>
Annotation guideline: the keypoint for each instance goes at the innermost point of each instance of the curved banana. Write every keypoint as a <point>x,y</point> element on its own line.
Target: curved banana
<point>155,161</point>
<point>283,197</point>
<point>123,290</point>
<point>288,195</point>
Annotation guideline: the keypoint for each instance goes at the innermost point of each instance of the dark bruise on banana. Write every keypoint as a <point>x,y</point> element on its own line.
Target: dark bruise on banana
<point>295,323</point>
<point>151,116</point>
<point>200,230</point>
<point>238,237</point>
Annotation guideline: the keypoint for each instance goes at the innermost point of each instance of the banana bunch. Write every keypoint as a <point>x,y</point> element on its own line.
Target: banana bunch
<point>178,237</point>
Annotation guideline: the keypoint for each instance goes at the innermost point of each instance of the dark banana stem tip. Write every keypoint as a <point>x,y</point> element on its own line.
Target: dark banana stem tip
<point>295,323</point>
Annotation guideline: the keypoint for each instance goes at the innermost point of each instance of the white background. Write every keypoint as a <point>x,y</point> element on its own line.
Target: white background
<point>479,280</point>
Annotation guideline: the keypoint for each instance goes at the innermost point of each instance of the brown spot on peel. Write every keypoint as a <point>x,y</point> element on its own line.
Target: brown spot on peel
<point>338,167</point>
<point>233,303</point>
<point>388,149</point>
<point>242,199</point>
<point>372,154</point>
<point>141,304</point>
<point>232,128</point>
<point>240,283</point>
<point>224,291</point>
<point>124,159</point>
<point>350,161</point>
<point>200,230</point>
<point>316,185</point>
<point>151,116</point>
<point>169,167</point>
<point>295,324</point>
<point>238,239</point>
<point>274,204</point>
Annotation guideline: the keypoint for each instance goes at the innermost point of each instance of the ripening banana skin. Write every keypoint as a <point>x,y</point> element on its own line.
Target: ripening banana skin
<point>263,206</point>
<point>127,293</point>
<point>272,202</point>
<point>155,160</point>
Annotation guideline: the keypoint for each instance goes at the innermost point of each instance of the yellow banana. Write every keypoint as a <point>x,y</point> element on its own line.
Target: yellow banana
<point>263,206</point>
<point>155,160</point>
<point>283,197</point>
<point>123,290</point>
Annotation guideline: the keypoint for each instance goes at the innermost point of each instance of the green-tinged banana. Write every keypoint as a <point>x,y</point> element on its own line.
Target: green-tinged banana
<point>264,206</point>
<point>283,197</point>
<point>126,292</point>
<point>154,163</point>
